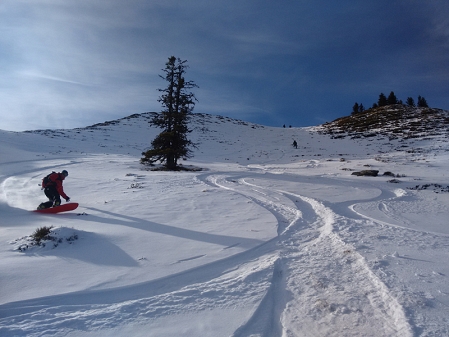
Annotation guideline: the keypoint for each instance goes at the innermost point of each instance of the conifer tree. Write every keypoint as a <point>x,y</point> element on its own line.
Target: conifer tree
<point>422,103</point>
<point>178,103</point>
<point>355,108</point>
<point>410,101</point>
<point>382,100</point>
<point>392,99</point>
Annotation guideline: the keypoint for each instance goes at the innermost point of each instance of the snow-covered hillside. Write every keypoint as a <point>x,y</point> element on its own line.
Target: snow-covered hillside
<point>264,240</point>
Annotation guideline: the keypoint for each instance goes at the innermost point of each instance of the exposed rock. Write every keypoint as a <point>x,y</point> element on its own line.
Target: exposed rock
<point>366,173</point>
<point>393,181</point>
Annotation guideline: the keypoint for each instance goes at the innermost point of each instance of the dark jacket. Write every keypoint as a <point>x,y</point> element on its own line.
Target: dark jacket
<point>55,180</point>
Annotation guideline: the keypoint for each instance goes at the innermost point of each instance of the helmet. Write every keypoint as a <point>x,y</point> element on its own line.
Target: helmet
<point>65,173</point>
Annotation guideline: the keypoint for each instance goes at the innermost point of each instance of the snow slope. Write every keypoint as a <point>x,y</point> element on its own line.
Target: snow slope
<point>265,240</point>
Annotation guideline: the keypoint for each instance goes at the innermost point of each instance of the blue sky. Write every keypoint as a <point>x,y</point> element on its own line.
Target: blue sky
<point>73,63</point>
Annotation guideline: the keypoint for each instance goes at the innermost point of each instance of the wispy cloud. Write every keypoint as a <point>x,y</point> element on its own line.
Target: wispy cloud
<point>33,75</point>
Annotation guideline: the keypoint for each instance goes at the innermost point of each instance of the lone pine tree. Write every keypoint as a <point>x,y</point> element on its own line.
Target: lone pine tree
<point>178,103</point>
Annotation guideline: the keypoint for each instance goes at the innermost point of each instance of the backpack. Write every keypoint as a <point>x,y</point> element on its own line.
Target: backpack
<point>46,180</point>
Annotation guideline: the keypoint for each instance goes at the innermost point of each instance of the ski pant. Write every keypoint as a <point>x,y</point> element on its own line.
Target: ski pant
<point>52,195</point>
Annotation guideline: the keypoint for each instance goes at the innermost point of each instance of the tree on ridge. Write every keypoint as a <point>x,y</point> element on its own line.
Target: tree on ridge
<point>178,103</point>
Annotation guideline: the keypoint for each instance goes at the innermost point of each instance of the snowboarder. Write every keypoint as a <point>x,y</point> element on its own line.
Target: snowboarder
<point>295,144</point>
<point>52,185</point>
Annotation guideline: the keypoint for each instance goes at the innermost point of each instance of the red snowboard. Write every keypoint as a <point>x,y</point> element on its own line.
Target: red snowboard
<point>62,208</point>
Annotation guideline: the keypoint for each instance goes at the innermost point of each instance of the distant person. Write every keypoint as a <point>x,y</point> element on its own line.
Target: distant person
<point>295,144</point>
<point>52,185</point>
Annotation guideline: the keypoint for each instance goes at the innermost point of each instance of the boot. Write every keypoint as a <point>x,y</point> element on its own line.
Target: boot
<point>45,205</point>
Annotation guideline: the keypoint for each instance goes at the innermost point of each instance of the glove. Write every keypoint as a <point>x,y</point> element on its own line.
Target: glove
<point>67,199</point>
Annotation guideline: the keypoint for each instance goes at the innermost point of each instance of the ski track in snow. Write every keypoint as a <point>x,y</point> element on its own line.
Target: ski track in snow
<point>322,303</point>
<point>336,257</point>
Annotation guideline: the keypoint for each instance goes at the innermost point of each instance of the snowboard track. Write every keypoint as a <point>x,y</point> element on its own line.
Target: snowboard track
<point>310,232</point>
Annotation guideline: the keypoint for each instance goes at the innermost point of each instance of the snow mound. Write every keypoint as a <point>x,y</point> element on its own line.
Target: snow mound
<point>56,237</point>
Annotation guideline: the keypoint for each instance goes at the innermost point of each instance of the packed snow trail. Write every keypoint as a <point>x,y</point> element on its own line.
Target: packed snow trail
<point>330,283</point>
